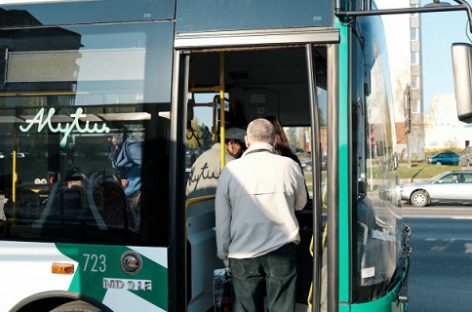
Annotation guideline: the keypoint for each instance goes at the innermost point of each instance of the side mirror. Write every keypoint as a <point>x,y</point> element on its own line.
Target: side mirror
<point>462,69</point>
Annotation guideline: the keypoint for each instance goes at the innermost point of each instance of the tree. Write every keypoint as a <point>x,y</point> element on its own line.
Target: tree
<point>198,136</point>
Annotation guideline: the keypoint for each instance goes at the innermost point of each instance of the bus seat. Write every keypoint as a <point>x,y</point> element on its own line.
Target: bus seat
<point>68,205</point>
<point>107,200</point>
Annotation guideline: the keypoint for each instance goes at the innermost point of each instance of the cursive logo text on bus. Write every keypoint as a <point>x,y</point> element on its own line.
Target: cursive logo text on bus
<point>43,120</point>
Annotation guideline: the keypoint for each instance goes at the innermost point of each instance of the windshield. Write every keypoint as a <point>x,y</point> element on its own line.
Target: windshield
<point>439,176</point>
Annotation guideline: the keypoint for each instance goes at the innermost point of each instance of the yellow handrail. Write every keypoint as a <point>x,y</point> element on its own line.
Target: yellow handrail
<point>14,178</point>
<point>222,110</point>
<point>323,239</point>
<point>323,242</point>
<point>200,199</point>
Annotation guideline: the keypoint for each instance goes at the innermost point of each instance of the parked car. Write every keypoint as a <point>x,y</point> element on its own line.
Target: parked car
<point>444,158</point>
<point>307,165</point>
<point>448,186</point>
<point>465,159</point>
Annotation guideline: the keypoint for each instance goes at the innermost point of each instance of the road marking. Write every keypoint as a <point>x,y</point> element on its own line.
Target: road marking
<point>437,217</point>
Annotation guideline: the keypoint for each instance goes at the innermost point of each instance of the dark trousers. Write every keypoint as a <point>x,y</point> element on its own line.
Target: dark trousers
<point>273,274</point>
<point>134,207</point>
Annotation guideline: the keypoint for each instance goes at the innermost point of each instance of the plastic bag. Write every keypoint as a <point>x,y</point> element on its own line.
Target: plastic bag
<point>222,290</point>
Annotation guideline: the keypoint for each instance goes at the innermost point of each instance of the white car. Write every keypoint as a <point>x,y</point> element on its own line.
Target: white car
<point>448,186</point>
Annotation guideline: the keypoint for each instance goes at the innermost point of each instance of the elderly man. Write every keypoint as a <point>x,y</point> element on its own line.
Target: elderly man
<point>256,228</point>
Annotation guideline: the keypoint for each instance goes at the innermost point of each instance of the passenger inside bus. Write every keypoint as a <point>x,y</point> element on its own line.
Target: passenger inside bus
<point>98,199</point>
<point>206,169</point>
<point>281,144</point>
<point>126,158</point>
<point>256,227</point>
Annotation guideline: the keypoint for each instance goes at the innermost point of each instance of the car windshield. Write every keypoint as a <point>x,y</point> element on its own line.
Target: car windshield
<point>439,176</point>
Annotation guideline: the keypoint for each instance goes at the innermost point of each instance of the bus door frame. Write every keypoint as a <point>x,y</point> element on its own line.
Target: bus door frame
<point>186,43</point>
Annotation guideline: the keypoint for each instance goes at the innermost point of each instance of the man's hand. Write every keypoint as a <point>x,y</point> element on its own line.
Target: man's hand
<point>124,183</point>
<point>226,262</point>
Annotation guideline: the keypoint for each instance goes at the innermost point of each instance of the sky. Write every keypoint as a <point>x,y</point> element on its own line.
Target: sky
<point>438,32</point>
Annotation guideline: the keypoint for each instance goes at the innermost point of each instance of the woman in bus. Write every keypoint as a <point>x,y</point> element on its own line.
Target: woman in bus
<point>281,145</point>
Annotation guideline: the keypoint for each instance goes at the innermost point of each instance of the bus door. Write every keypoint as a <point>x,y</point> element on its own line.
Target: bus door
<point>286,80</point>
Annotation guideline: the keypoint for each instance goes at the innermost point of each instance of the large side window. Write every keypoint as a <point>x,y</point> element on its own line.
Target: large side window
<point>84,119</point>
<point>375,223</point>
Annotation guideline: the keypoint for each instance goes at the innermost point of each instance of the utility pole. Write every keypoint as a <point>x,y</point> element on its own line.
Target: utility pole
<point>407,106</point>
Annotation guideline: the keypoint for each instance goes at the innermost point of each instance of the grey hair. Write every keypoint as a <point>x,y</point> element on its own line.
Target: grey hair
<point>260,130</point>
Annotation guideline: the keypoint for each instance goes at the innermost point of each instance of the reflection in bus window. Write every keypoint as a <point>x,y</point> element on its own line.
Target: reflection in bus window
<point>84,138</point>
<point>375,212</point>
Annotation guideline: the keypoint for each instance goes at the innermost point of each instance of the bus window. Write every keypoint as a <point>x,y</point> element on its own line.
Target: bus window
<point>375,212</point>
<point>85,134</point>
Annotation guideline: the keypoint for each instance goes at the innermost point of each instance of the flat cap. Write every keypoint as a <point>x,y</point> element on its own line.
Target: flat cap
<point>235,134</point>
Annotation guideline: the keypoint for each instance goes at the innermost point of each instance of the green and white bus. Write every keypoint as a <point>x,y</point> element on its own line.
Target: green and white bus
<point>172,75</point>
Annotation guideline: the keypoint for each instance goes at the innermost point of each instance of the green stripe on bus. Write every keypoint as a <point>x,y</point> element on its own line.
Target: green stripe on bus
<point>343,175</point>
<point>97,262</point>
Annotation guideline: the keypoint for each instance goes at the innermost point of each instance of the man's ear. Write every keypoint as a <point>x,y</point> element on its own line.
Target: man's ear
<point>247,141</point>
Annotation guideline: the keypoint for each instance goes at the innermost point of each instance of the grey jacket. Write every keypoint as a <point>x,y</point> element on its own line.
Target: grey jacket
<point>255,204</point>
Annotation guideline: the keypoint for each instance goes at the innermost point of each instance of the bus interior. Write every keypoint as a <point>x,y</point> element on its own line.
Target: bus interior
<point>256,84</point>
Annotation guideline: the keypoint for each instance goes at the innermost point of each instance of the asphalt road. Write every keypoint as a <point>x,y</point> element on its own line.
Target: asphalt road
<point>441,268</point>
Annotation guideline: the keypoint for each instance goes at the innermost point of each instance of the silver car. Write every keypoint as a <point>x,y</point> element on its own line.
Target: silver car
<point>448,186</point>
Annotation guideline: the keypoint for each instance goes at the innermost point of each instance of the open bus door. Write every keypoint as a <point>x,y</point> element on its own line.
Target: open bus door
<point>275,80</point>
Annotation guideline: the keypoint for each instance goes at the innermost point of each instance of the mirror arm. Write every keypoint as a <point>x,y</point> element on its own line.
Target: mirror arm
<point>467,8</point>
<point>345,13</point>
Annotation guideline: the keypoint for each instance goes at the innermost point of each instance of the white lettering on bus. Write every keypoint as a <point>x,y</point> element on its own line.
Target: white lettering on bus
<point>95,262</point>
<point>113,284</point>
<point>67,128</point>
<point>127,284</point>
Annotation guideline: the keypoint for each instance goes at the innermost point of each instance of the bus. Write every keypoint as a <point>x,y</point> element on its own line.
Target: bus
<point>104,107</point>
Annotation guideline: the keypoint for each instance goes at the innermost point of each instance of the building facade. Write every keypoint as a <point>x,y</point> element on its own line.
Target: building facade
<point>443,130</point>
